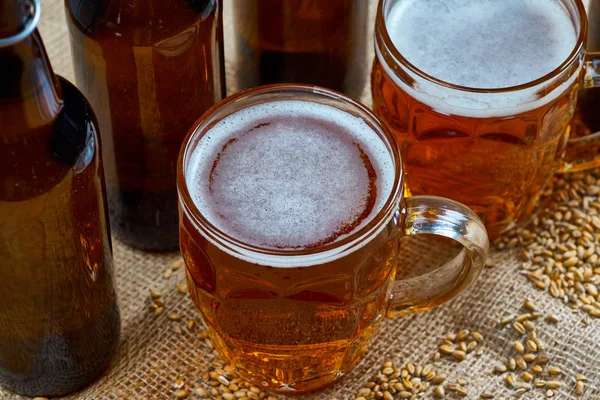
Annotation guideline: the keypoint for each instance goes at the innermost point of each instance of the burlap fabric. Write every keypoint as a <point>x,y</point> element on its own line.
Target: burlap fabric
<point>153,355</point>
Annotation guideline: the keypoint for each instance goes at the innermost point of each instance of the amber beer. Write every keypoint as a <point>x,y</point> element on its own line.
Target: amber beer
<point>59,319</point>
<point>296,323</point>
<point>479,100</point>
<point>305,41</point>
<point>289,227</point>
<point>150,68</point>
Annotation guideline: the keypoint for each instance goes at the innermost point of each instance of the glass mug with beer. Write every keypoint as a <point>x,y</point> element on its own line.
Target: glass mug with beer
<point>479,94</point>
<point>291,213</point>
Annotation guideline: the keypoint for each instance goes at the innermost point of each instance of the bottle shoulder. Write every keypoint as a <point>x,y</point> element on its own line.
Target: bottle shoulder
<point>34,160</point>
<point>76,126</point>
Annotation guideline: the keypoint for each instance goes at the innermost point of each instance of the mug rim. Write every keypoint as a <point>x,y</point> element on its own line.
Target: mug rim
<point>345,245</point>
<point>579,48</point>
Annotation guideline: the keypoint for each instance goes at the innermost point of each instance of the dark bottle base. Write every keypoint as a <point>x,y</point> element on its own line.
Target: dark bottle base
<point>146,221</point>
<point>54,366</point>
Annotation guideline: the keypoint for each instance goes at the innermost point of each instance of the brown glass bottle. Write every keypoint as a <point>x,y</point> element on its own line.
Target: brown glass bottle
<point>593,14</point>
<point>320,42</point>
<point>586,120</point>
<point>59,319</point>
<point>150,68</point>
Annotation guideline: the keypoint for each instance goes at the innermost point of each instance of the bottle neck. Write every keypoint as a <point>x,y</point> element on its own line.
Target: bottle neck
<point>30,94</point>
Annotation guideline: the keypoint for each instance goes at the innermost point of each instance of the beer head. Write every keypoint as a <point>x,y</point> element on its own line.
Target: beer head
<point>290,175</point>
<point>485,57</point>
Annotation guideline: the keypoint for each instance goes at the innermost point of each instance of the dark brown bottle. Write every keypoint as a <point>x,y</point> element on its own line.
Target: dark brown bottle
<point>320,42</point>
<point>59,319</point>
<point>150,68</point>
<point>593,14</point>
<point>586,120</point>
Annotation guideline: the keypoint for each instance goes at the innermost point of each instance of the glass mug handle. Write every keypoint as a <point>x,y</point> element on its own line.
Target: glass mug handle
<point>583,150</point>
<point>442,217</point>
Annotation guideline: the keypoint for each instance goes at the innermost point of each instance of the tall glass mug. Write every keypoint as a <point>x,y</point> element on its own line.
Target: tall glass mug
<point>291,212</point>
<point>480,101</point>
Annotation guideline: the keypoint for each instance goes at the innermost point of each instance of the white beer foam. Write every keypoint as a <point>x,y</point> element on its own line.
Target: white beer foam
<point>483,44</point>
<point>291,183</point>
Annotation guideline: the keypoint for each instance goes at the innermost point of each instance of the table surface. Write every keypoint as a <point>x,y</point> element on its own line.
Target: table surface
<point>152,356</point>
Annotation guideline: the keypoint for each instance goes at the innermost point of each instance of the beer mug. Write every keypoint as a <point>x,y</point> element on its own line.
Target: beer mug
<point>480,95</point>
<point>291,214</point>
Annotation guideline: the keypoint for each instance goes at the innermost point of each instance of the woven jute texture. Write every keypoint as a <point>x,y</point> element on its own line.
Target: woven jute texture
<point>152,355</point>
